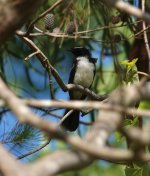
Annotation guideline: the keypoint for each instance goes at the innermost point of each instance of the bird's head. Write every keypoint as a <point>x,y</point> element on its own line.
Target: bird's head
<point>80,51</point>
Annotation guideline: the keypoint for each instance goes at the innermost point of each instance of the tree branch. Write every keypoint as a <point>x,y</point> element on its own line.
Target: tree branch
<point>94,146</point>
<point>8,164</point>
<point>129,9</point>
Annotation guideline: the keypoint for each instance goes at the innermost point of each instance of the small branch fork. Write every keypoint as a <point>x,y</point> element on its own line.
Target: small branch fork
<point>51,70</point>
<point>31,55</point>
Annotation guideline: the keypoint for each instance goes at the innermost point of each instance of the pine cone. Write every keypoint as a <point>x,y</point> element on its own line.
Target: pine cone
<point>117,38</point>
<point>124,17</point>
<point>115,19</point>
<point>71,28</point>
<point>49,21</point>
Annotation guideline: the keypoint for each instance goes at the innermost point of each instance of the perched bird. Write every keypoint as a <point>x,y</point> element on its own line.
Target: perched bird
<point>82,73</point>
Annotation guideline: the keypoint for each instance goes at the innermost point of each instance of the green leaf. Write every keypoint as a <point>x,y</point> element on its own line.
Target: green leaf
<point>133,171</point>
<point>129,65</point>
<point>144,105</point>
<point>130,69</point>
<point>137,170</point>
<point>83,3</point>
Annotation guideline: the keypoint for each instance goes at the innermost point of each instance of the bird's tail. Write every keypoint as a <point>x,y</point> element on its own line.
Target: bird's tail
<point>71,123</point>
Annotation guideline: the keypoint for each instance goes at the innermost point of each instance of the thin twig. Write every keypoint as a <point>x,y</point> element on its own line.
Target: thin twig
<point>31,55</point>
<point>141,31</point>
<point>106,27</point>
<point>144,74</point>
<point>34,151</point>
<point>65,116</point>
<point>145,33</point>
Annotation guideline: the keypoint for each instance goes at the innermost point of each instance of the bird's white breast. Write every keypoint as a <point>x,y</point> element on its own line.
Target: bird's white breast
<point>84,74</point>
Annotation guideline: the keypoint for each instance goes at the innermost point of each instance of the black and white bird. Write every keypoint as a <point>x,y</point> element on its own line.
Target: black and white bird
<point>82,73</point>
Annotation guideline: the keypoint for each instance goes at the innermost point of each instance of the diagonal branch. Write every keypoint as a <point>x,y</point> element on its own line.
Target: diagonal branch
<point>8,164</point>
<point>126,7</point>
<point>145,32</point>
<point>34,150</point>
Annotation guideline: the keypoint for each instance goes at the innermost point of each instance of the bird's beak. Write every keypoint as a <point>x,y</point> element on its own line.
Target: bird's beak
<point>94,60</point>
<point>70,50</point>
